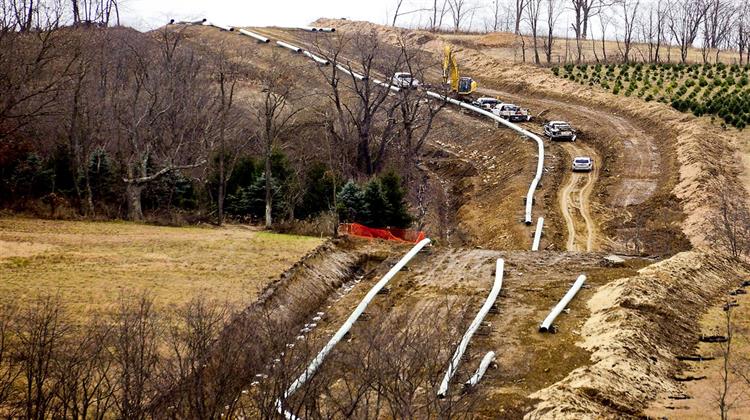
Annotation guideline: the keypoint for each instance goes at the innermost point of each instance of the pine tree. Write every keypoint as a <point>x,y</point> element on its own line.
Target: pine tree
<point>397,215</point>
<point>350,202</point>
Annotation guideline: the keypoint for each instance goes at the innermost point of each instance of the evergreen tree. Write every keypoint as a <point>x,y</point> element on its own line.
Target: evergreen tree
<point>376,206</point>
<point>397,215</point>
<point>350,202</point>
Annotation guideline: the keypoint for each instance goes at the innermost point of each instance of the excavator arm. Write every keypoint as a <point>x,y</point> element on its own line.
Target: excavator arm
<point>451,76</point>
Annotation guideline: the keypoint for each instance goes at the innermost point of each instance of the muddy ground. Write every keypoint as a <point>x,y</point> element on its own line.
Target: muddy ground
<point>616,349</point>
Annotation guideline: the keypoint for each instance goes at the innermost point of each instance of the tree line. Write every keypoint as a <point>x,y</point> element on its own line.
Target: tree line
<point>141,361</point>
<point>642,30</point>
<point>110,122</point>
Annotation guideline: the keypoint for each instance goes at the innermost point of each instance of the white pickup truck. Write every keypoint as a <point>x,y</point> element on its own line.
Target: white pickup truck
<point>512,113</point>
<point>487,103</point>
<point>405,80</point>
<point>559,130</point>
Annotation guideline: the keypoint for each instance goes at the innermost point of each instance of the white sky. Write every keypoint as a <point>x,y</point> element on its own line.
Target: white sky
<point>148,14</point>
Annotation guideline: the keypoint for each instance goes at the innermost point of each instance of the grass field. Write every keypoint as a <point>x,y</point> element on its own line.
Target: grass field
<point>91,264</point>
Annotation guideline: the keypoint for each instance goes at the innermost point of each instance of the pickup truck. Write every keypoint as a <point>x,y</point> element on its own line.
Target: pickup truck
<point>511,112</point>
<point>559,130</point>
<point>405,80</point>
<point>486,103</point>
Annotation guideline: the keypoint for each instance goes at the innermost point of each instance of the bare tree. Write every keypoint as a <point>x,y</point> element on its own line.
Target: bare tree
<point>533,9</point>
<point>459,10</point>
<point>630,16</point>
<point>717,26</point>
<point>553,13</point>
<point>519,12</point>
<point>274,115</point>
<point>685,18</point>
<point>582,10</point>
<point>437,13</point>
<point>167,122</point>
<point>731,225</point>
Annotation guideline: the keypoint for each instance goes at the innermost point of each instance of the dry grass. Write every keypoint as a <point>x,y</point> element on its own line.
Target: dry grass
<point>92,263</point>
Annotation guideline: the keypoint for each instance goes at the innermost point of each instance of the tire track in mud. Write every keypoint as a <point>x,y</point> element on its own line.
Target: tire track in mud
<point>579,197</point>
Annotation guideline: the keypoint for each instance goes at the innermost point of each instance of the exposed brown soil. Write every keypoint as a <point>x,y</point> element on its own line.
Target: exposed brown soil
<point>617,347</point>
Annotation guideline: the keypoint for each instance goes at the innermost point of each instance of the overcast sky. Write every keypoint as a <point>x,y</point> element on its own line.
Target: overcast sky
<point>148,14</point>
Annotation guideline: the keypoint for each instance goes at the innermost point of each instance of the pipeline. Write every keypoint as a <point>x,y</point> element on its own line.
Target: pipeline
<point>456,359</point>
<point>318,360</point>
<point>316,29</point>
<point>259,37</point>
<point>319,60</point>
<point>185,22</point>
<point>546,325</point>
<point>289,46</point>
<point>539,142</point>
<point>222,27</point>
<point>483,365</point>
<point>351,73</point>
<point>537,234</point>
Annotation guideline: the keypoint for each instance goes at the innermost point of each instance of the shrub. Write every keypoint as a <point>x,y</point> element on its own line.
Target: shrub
<point>556,71</point>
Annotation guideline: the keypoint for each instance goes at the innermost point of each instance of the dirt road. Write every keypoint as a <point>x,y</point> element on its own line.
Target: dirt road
<point>576,194</point>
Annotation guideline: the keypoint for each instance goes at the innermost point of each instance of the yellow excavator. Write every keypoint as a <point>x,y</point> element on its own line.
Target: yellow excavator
<point>461,86</point>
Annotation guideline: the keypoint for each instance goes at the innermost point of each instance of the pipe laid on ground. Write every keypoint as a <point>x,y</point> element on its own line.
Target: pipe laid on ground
<point>537,234</point>
<point>319,60</point>
<point>387,85</point>
<point>326,29</point>
<point>547,323</point>
<point>456,359</point>
<point>351,73</point>
<point>483,365</point>
<point>222,27</point>
<point>289,46</point>
<point>259,37</point>
<point>539,142</point>
<point>318,360</point>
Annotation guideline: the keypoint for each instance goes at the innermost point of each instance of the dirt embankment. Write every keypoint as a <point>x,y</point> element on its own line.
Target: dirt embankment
<point>641,323</point>
<point>638,327</point>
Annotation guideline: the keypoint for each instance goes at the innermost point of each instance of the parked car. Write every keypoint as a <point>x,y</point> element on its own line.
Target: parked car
<point>511,112</point>
<point>559,130</point>
<point>487,103</point>
<point>405,80</point>
<point>583,164</point>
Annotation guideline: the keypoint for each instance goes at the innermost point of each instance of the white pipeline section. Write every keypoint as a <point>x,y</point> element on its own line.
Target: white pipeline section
<point>351,73</point>
<point>289,46</point>
<point>537,234</point>
<point>456,359</point>
<point>222,27</point>
<point>317,29</point>
<point>258,37</point>
<point>318,360</point>
<point>539,142</point>
<point>319,60</point>
<point>483,365</point>
<point>547,323</point>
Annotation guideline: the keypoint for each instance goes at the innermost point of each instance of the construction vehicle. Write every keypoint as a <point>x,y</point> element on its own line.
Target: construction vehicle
<point>461,87</point>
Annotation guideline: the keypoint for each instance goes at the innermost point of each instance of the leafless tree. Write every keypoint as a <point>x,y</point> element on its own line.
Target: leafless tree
<point>519,12</point>
<point>731,225</point>
<point>717,26</point>
<point>652,29</point>
<point>685,18</point>
<point>274,114</point>
<point>460,10</point>
<point>630,16</point>
<point>553,13</point>
<point>167,123</point>
<point>437,13</point>
<point>533,9</point>
<point>582,10</point>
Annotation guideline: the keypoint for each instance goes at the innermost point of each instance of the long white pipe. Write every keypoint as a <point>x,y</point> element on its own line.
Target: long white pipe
<point>453,366</point>
<point>351,73</point>
<point>547,323</point>
<point>259,37</point>
<point>387,85</point>
<point>537,234</point>
<point>539,142</point>
<point>222,27</point>
<point>318,360</point>
<point>289,46</point>
<point>319,60</point>
<point>483,365</point>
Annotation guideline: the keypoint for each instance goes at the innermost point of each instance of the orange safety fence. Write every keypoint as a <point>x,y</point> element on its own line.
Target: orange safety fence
<point>389,234</point>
